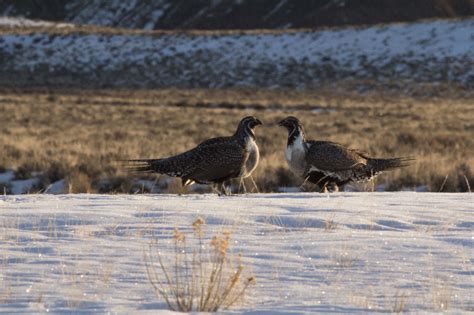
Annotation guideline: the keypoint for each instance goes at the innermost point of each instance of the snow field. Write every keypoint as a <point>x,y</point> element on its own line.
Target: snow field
<point>343,252</point>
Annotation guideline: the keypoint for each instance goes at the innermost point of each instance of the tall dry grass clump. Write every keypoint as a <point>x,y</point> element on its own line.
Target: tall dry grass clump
<point>203,277</point>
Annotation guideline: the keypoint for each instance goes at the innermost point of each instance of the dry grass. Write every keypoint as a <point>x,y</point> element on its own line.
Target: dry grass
<point>330,224</point>
<point>78,135</point>
<point>85,29</point>
<point>441,294</point>
<point>344,260</point>
<point>399,303</point>
<point>204,279</point>
<point>5,285</point>
<point>345,257</point>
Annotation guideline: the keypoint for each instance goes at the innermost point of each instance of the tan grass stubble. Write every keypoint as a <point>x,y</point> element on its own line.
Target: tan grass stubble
<point>78,135</point>
<point>204,277</point>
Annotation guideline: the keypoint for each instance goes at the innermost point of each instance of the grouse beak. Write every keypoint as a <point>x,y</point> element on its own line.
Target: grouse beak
<point>258,122</point>
<point>282,123</point>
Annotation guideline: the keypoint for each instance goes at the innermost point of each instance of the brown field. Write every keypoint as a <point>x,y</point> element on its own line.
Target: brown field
<point>80,134</point>
<point>67,29</point>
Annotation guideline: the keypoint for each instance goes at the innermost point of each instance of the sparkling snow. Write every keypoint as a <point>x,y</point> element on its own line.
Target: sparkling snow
<point>342,252</point>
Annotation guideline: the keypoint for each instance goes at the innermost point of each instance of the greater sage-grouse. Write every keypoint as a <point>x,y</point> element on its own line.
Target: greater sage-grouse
<point>214,161</point>
<point>326,163</point>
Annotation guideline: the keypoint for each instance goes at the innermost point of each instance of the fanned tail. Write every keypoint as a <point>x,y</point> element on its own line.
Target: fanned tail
<point>380,165</point>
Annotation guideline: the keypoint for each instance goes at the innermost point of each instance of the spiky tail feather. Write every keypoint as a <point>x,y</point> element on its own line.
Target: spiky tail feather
<point>161,166</point>
<point>379,165</point>
<point>140,165</point>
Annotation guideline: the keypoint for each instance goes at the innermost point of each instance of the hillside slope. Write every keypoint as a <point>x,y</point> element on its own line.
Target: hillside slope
<point>397,54</point>
<point>235,14</point>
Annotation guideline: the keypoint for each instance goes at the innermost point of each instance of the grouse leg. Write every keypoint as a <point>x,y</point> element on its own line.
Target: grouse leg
<point>302,186</point>
<point>331,187</point>
<point>242,185</point>
<point>325,188</point>
<point>216,189</point>
<point>254,184</point>
<point>308,186</point>
<point>225,189</point>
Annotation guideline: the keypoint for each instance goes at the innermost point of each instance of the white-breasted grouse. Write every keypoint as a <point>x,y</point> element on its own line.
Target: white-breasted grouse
<point>327,163</point>
<point>214,161</point>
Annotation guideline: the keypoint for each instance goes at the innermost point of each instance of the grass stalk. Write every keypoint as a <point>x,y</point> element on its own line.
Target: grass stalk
<point>196,283</point>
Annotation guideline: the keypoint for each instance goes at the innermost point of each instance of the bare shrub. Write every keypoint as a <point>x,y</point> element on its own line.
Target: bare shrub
<point>5,291</point>
<point>344,258</point>
<point>5,189</point>
<point>441,296</point>
<point>467,184</point>
<point>24,172</point>
<point>78,183</point>
<point>203,279</point>
<point>399,303</point>
<point>330,224</point>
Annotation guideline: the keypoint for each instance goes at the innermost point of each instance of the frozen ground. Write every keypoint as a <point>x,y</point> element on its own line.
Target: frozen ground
<point>344,252</point>
<point>428,51</point>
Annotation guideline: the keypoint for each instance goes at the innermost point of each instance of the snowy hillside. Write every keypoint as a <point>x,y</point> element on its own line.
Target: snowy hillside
<point>432,51</point>
<point>234,14</point>
<point>344,252</point>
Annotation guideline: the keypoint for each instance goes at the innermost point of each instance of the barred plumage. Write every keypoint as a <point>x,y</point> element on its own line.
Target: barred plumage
<point>328,163</point>
<point>214,161</point>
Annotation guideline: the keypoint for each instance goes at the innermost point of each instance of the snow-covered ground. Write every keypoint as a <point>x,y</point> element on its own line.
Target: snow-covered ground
<point>18,186</point>
<point>343,252</point>
<point>14,22</point>
<point>428,51</point>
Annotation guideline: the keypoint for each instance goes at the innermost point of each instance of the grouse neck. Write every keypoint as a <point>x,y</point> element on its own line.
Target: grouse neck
<point>245,133</point>
<point>294,134</point>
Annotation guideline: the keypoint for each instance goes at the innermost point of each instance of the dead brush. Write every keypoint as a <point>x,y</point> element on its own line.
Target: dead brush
<point>344,258</point>
<point>400,302</point>
<point>330,224</point>
<point>441,297</point>
<point>203,279</point>
<point>5,291</point>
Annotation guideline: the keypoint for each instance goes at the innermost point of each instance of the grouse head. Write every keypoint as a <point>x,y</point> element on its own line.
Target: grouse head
<point>294,127</point>
<point>246,126</point>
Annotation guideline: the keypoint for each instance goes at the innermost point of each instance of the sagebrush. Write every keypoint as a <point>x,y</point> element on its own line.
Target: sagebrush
<point>203,277</point>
